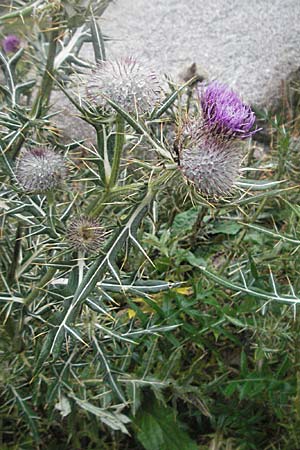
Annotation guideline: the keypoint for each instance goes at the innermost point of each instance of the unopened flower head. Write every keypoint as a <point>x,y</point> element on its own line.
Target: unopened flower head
<point>11,43</point>
<point>40,169</point>
<point>85,234</point>
<point>210,163</point>
<point>126,82</point>
<point>224,112</point>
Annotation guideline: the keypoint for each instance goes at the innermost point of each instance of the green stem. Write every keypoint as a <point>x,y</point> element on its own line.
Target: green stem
<point>16,254</point>
<point>96,207</point>
<point>48,76</point>
<point>109,174</point>
<point>51,210</point>
<point>101,137</point>
<point>43,95</point>
<point>120,139</point>
<point>198,225</point>
<point>22,12</point>
<point>43,282</point>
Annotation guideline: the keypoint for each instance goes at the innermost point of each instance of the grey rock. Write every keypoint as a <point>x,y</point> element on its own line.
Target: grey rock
<point>251,45</point>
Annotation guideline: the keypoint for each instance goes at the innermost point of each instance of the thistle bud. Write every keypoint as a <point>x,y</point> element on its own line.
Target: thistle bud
<point>126,82</point>
<point>40,170</point>
<point>211,163</point>
<point>85,234</point>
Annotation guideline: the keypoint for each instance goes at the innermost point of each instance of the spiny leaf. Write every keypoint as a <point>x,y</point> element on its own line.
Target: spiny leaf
<point>97,41</point>
<point>29,415</point>
<point>93,275</point>
<point>110,378</point>
<point>170,100</point>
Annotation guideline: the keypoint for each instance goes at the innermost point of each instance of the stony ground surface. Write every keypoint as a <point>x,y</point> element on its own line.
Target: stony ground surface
<point>251,45</point>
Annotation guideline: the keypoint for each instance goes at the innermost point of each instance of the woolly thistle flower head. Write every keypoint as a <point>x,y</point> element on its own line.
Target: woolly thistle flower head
<point>210,162</point>
<point>126,82</point>
<point>40,169</point>
<point>11,43</point>
<point>224,112</point>
<point>85,234</point>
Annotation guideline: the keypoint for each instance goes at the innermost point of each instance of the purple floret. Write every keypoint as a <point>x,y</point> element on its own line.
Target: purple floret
<point>225,113</point>
<point>11,43</point>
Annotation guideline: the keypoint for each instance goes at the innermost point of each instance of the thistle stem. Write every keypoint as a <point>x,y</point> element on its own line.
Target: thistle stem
<point>109,174</point>
<point>120,139</point>
<point>51,210</point>
<point>80,266</point>
<point>43,95</point>
<point>43,282</point>
<point>16,254</point>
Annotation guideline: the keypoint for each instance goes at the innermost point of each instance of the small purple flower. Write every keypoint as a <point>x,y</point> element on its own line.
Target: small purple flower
<point>11,43</point>
<point>224,112</point>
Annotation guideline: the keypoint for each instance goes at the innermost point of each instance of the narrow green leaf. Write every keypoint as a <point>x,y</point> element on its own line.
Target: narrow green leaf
<point>97,41</point>
<point>98,270</point>
<point>115,420</point>
<point>139,286</point>
<point>170,100</point>
<point>110,378</point>
<point>255,292</point>
<point>29,415</point>
<point>275,235</point>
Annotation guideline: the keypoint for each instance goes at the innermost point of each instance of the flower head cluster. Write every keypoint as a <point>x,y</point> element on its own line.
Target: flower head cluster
<point>40,169</point>
<point>11,43</point>
<point>224,112</point>
<point>210,156</point>
<point>85,234</point>
<point>126,82</point>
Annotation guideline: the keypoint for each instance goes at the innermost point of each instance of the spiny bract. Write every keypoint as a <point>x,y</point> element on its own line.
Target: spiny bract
<point>40,169</point>
<point>126,82</point>
<point>85,234</point>
<point>211,163</point>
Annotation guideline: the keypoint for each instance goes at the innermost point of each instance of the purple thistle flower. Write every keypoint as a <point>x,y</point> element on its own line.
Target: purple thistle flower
<point>11,43</point>
<point>210,162</point>
<point>40,170</point>
<point>224,112</point>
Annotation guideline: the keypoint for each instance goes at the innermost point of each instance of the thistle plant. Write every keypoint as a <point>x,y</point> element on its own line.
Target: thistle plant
<point>210,156</point>
<point>91,309</point>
